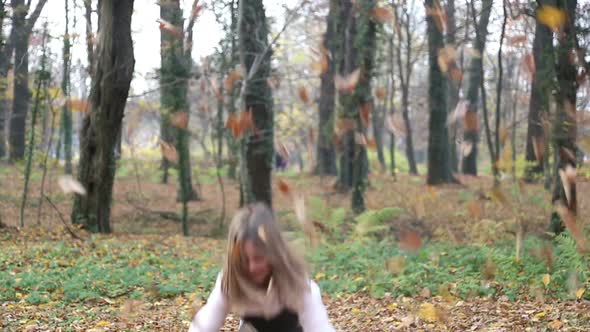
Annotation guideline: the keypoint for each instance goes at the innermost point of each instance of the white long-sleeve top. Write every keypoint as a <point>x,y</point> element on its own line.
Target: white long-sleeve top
<point>313,317</point>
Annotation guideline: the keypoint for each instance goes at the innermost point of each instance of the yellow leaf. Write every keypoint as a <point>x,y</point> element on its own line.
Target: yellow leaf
<point>391,306</point>
<point>359,279</point>
<point>428,313</point>
<point>356,310</point>
<point>546,279</point>
<point>319,276</point>
<point>102,323</point>
<point>18,280</point>
<point>580,292</point>
<point>541,314</point>
<point>552,17</point>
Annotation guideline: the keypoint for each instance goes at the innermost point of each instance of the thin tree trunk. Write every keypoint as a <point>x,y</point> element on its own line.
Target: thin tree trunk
<point>5,55</point>
<point>542,84</point>
<point>114,71</point>
<point>474,85</point>
<point>258,144</point>
<point>439,166</point>
<point>66,114</point>
<point>90,38</point>
<point>453,87</point>
<point>326,153</point>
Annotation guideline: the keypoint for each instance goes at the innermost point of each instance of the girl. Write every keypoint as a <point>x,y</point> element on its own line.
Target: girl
<point>262,281</point>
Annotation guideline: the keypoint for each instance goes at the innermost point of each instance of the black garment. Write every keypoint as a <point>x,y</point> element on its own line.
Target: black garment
<point>286,321</point>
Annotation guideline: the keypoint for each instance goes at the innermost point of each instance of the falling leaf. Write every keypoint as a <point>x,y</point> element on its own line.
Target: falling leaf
<point>170,28</point>
<point>380,93</point>
<point>410,241</point>
<point>458,113</point>
<point>321,66</point>
<point>261,233</point>
<point>231,79</point>
<point>580,292</point>
<point>169,152</point>
<point>348,83</point>
<point>475,208</point>
<point>396,265</point>
<point>569,219</point>
<point>382,14</point>
<point>246,122</point>
<point>446,57</point>
<point>303,94</point>
<point>466,147</point>
<point>539,148</point>
<point>365,114</point>
<point>568,177</point>
<point>284,187</point>
<point>552,17</point>
<point>70,185</point>
<point>471,121</point>
<point>179,120</point>
<point>428,313</point>
<point>546,279</point>
<point>517,40</point>
<point>438,15</point>
<point>78,105</point>
<point>474,53</point>
<point>395,124</point>
<point>528,61</point>
<point>232,124</point>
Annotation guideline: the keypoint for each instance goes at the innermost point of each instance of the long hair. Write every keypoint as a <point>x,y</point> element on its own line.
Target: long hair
<point>289,278</point>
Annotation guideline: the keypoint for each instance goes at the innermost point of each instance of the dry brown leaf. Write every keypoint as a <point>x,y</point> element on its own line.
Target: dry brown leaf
<point>347,83</point>
<point>179,120</point>
<point>475,208</point>
<point>233,77</point>
<point>471,121</point>
<point>284,187</point>
<point>169,152</point>
<point>232,124</point>
<point>380,93</point>
<point>365,113</point>
<point>410,241</point>
<point>382,14</point>
<point>303,95</point>
<point>170,28</point>
<point>528,61</point>
<point>70,185</point>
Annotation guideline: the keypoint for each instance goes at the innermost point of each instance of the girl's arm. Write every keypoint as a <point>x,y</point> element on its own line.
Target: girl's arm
<point>211,316</point>
<point>314,317</point>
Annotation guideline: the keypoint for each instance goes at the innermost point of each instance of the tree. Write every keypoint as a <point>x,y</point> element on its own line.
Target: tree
<point>439,164</point>
<point>257,148</point>
<point>405,66</point>
<point>110,89</point>
<point>471,133</point>
<point>5,52</point>
<point>564,131</point>
<point>66,115</point>
<point>22,28</point>
<point>326,153</point>
<point>174,75</point>
<point>541,86</point>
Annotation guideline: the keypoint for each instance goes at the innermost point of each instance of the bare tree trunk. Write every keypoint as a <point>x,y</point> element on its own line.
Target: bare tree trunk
<point>22,96</point>
<point>326,153</point>
<point>258,147</point>
<point>565,126</point>
<point>5,55</point>
<point>439,165</point>
<point>542,84</point>
<point>66,115</point>
<point>90,38</point>
<point>475,77</point>
<point>110,90</point>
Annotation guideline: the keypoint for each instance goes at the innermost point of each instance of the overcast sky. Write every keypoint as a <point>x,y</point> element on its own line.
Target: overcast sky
<point>146,35</point>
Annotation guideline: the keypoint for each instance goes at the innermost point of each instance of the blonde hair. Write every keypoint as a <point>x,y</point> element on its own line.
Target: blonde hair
<point>289,278</point>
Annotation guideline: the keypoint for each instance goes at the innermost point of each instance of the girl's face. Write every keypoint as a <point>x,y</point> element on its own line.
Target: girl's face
<point>257,264</point>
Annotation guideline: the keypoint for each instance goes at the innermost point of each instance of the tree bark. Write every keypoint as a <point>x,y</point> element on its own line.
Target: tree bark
<point>114,71</point>
<point>5,55</point>
<point>542,84</point>
<point>66,115</point>
<point>258,144</point>
<point>326,153</point>
<point>439,164</point>
<point>22,96</point>
<point>565,127</point>
<point>453,87</point>
<point>469,165</point>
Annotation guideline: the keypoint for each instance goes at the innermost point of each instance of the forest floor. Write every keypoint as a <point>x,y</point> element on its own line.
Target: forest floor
<point>461,275</point>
